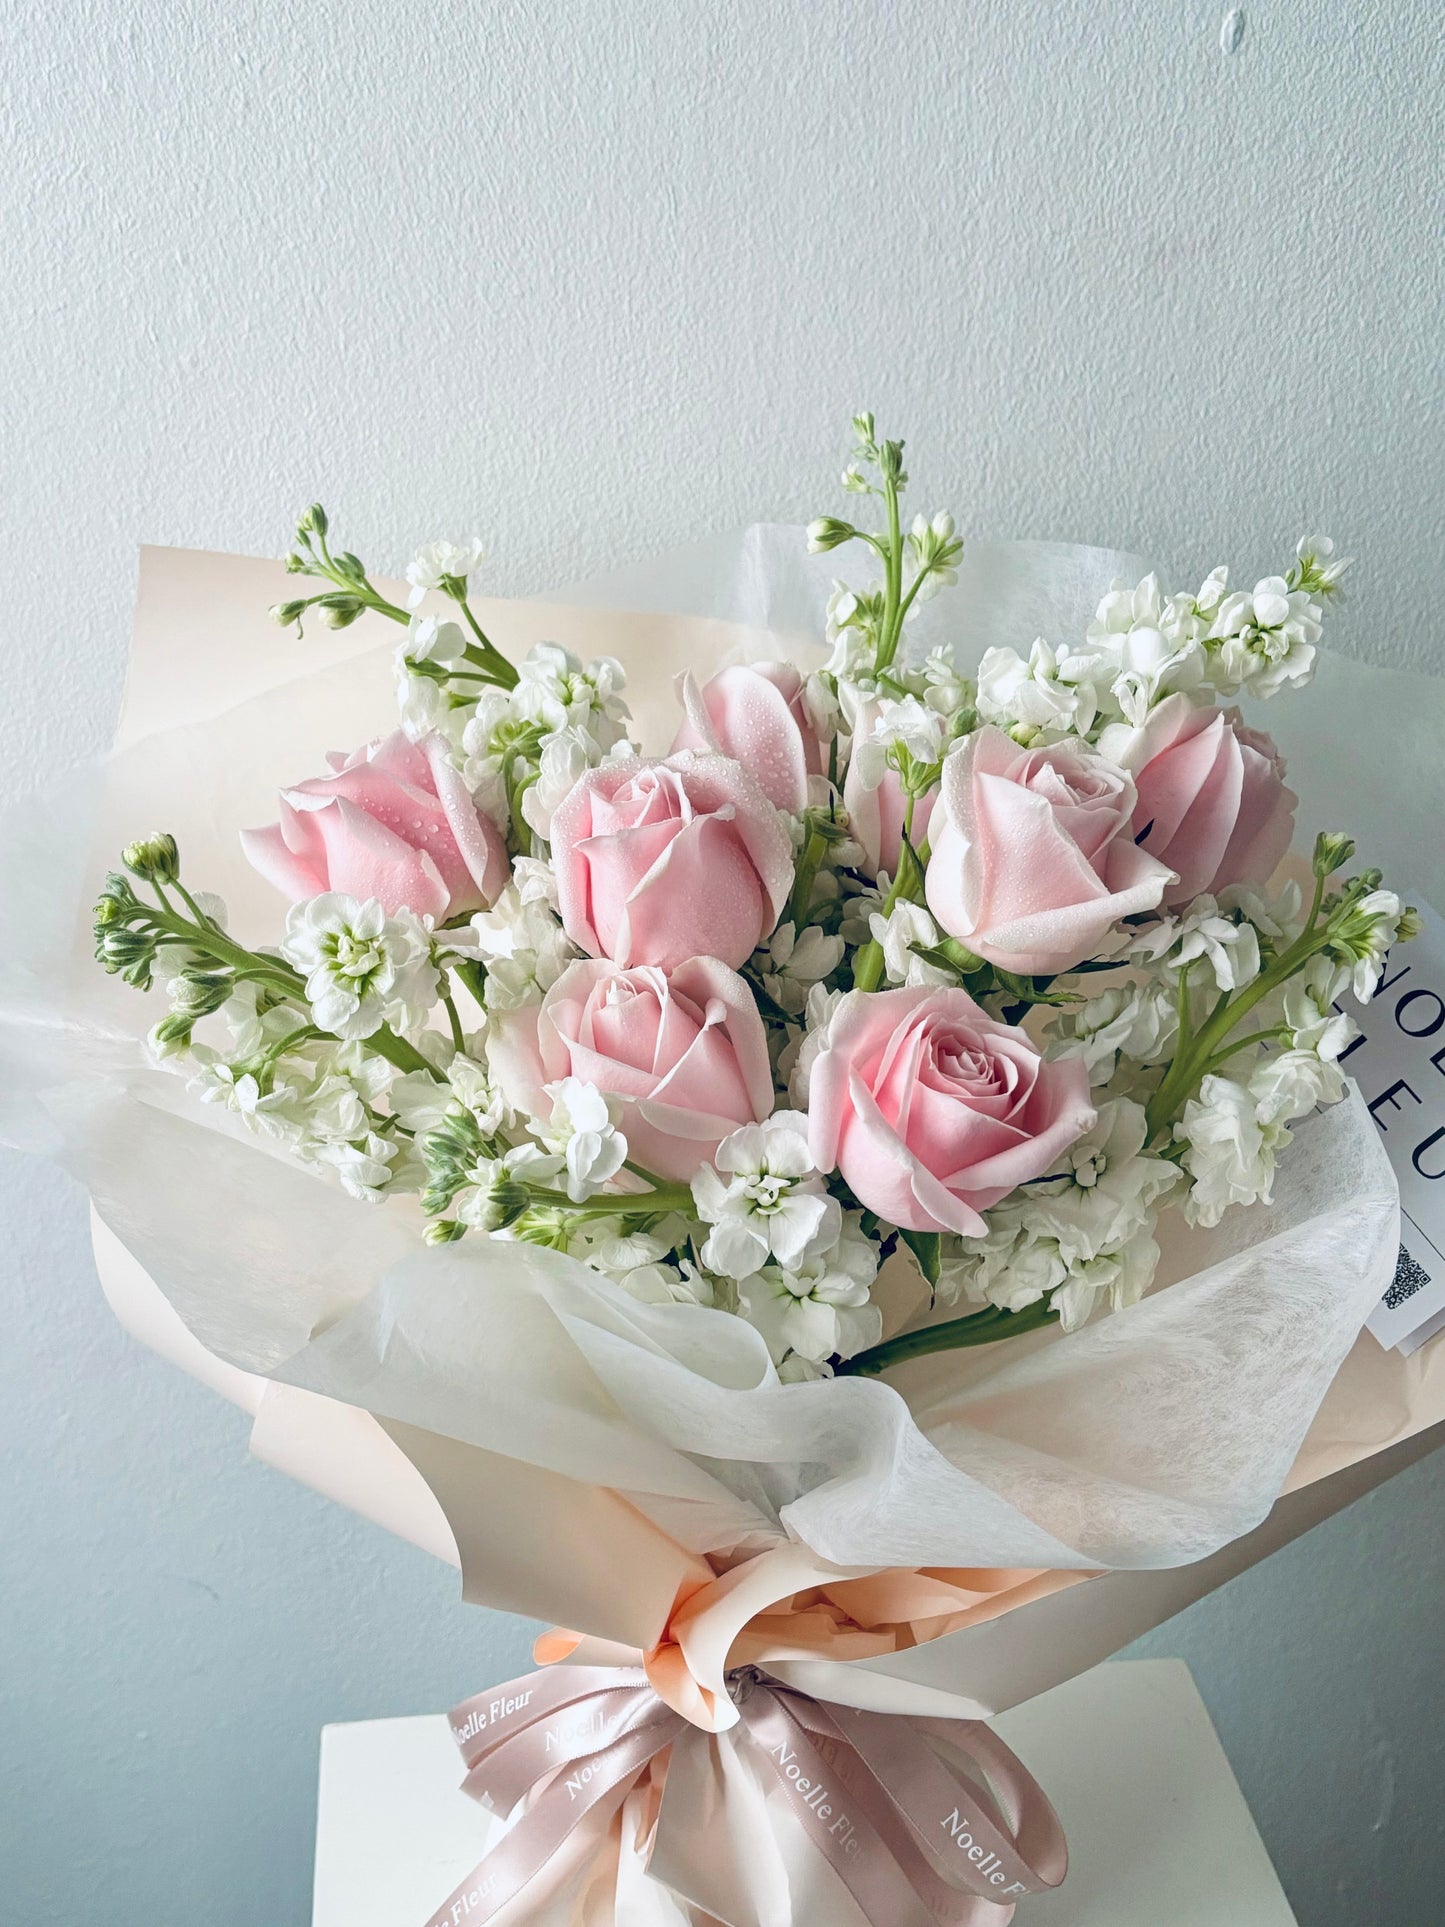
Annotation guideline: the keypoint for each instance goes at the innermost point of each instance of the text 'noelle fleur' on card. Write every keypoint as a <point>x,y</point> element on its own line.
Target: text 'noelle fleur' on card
<point>1398,1061</point>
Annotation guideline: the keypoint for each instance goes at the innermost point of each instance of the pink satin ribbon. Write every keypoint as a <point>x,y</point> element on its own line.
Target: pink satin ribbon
<point>929,1822</point>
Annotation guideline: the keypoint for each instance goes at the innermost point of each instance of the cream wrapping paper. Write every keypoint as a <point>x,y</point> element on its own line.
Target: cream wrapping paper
<point>464,1396</point>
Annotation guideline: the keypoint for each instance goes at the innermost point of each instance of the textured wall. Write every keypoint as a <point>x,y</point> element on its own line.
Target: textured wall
<point>591,278</point>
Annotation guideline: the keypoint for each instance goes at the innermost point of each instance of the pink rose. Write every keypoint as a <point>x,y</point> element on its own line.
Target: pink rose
<point>876,815</point>
<point>755,713</point>
<point>1035,863</point>
<point>933,1112</point>
<point>395,822</point>
<point>684,1053</point>
<point>1212,799</point>
<point>659,861</point>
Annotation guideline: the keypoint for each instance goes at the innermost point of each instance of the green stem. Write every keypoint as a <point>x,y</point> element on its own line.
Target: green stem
<point>986,1327</point>
<point>492,658</point>
<point>206,923</point>
<point>521,829</point>
<point>1192,1063</point>
<point>893,579</point>
<point>913,588</point>
<point>266,1071</point>
<point>638,1204</point>
<point>396,1050</point>
<point>361,589</point>
<point>378,602</point>
<point>214,942</point>
<point>1181,1005</point>
<point>800,902</point>
<point>1244,1043</point>
<point>868,964</point>
<point>455,1022</point>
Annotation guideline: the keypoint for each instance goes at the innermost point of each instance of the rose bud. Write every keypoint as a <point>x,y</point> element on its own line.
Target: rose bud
<point>395,822</point>
<point>1034,861</point>
<point>660,861</point>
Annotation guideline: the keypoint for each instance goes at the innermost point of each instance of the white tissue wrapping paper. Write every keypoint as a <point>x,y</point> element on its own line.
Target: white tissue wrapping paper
<point>1147,1440</point>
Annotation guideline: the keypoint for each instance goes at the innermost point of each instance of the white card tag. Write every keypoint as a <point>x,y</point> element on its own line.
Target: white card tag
<point>1398,1061</point>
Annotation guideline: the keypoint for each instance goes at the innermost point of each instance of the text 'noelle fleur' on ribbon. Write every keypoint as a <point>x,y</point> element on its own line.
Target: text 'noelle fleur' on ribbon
<point>929,1822</point>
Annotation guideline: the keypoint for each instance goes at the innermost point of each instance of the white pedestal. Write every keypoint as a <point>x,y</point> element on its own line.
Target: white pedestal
<point>1158,1831</point>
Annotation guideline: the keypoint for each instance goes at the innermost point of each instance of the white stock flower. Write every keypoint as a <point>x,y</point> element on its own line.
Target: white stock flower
<point>520,940</point>
<point>944,689</point>
<point>535,880</point>
<point>1011,1267</point>
<point>905,925</point>
<point>1309,1010</point>
<point>819,1308</point>
<point>1230,1154</point>
<point>559,692</point>
<point>489,1177</point>
<point>790,965</point>
<point>641,1262</point>
<point>821,707</point>
<point>364,1167</point>
<point>1054,691</point>
<point>1123,1276</point>
<point>1317,557</point>
<point>565,760</point>
<point>253,1029</point>
<point>581,1132</point>
<point>862,901</point>
<point>904,723</point>
<point>1292,1083</point>
<point>363,968</point>
<point>849,636</point>
<point>1084,1235</point>
<point>422,1103</point>
<point>435,639</point>
<point>440,562</point>
<point>1230,948</point>
<point>1108,1191</point>
<point>817,1015</point>
<point>765,1199</point>
<point>1150,646</point>
<point>485,746</point>
<point>421,700</point>
<point>1136,1022</point>
<point>1276,918</point>
<point>1365,939</point>
<point>239,1091</point>
<point>1262,639</point>
<point>679,1283</point>
<point>932,547</point>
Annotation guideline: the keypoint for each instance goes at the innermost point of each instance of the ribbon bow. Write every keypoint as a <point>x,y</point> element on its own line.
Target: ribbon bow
<point>929,1822</point>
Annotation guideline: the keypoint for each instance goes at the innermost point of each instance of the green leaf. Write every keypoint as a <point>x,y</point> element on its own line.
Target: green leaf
<point>938,956</point>
<point>927,1248</point>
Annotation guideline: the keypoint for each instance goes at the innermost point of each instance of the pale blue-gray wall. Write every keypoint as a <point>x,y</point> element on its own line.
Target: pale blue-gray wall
<point>591,279</point>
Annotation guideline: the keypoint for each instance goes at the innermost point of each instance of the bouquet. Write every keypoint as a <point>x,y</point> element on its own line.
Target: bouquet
<point>798,1181</point>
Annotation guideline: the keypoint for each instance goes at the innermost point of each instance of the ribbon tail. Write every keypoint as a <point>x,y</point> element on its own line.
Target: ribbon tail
<point>949,1812</point>
<point>595,1786</point>
<point>842,1820</point>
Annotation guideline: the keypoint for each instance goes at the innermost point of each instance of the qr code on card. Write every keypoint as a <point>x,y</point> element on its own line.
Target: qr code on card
<point>1410,1277</point>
